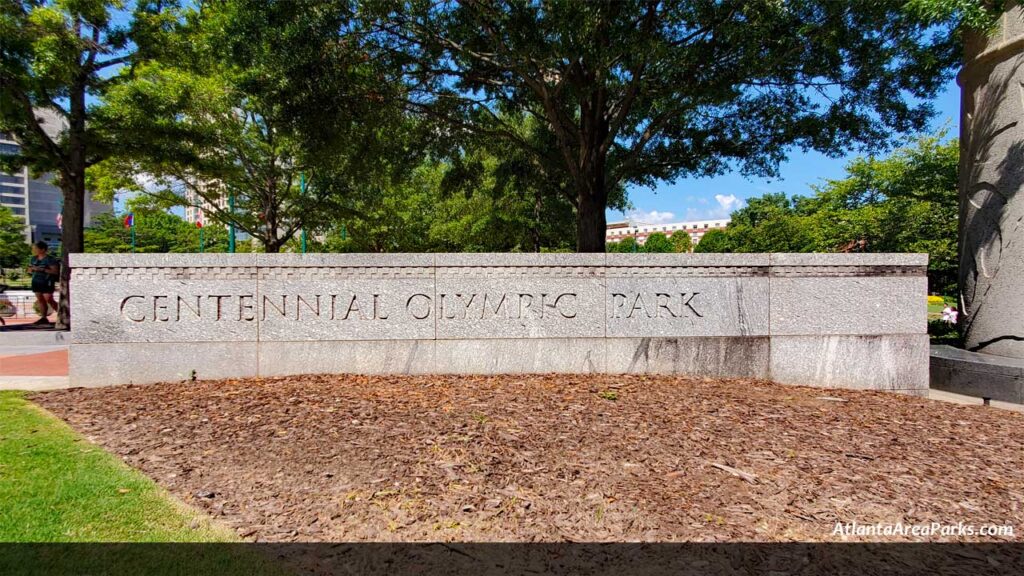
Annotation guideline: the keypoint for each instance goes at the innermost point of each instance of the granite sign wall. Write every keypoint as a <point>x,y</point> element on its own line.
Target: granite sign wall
<point>832,320</point>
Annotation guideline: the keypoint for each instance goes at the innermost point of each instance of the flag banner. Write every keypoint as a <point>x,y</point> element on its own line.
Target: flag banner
<point>129,220</point>
<point>60,222</point>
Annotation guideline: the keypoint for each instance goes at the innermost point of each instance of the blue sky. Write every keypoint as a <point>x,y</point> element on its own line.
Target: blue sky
<point>709,198</point>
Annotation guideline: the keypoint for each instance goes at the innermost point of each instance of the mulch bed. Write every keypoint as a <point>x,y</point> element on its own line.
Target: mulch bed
<point>555,457</point>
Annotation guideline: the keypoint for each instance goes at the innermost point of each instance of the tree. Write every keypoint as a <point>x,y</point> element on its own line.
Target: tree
<point>905,202</point>
<point>626,245</point>
<point>637,92</point>
<point>212,127</point>
<point>658,242</point>
<point>524,207</point>
<point>156,231</point>
<point>713,241</point>
<point>442,207</point>
<point>13,248</point>
<point>681,241</point>
<point>771,223</point>
<point>53,58</point>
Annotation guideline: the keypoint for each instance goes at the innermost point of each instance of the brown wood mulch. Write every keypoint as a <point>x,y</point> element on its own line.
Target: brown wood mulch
<point>558,458</point>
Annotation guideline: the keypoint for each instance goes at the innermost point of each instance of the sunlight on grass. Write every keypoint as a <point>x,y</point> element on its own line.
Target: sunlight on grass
<point>55,486</point>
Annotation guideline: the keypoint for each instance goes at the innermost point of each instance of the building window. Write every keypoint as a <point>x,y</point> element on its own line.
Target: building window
<point>9,149</point>
<point>8,199</point>
<point>8,179</point>
<point>8,189</point>
<point>17,210</point>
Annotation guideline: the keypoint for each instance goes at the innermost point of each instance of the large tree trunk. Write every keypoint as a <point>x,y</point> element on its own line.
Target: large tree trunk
<point>592,185</point>
<point>72,181</point>
<point>72,241</point>
<point>590,220</point>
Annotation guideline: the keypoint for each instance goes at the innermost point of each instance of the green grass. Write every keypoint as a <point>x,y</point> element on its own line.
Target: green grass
<point>57,487</point>
<point>935,310</point>
<point>24,281</point>
<point>60,496</point>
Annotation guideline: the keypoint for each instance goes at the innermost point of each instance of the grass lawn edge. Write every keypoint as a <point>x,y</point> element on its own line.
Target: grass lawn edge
<point>58,486</point>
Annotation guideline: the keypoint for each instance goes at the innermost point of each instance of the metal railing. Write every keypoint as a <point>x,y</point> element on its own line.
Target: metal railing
<point>19,305</point>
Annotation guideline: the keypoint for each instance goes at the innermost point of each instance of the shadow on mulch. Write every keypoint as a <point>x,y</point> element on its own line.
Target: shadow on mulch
<point>556,458</point>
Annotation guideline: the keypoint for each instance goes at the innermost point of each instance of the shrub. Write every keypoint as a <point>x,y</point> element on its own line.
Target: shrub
<point>942,332</point>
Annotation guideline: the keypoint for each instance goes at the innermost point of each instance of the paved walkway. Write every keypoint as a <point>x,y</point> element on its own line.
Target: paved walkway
<point>32,358</point>
<point>33,361</point>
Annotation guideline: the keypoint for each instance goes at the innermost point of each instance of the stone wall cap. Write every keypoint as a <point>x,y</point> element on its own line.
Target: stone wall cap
<point>687,259</point>
<point>332,260</point>
<point>84,260</point>
<point>858,259</point>
<point>519,259</point>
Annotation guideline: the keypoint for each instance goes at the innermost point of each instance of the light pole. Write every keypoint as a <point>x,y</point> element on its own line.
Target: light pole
<point>302,191</point>
<point>231,228</point>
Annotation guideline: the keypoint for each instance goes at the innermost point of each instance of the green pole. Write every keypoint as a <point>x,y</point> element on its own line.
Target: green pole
<point>133,233</point>
<point>302,190</point>
<point>200,240</point>
<point>231,230</point>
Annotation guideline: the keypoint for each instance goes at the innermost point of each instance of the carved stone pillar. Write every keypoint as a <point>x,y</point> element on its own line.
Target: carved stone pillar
<point>991,178</point>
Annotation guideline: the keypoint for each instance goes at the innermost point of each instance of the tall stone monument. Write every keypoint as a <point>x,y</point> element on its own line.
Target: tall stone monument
<point>991,178</point>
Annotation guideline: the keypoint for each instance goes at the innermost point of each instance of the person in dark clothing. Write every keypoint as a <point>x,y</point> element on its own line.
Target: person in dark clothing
<point>45,270</point>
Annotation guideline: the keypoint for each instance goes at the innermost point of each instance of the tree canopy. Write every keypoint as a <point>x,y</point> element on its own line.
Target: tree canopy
<point>155,231</point>
<point>637,92</point>
<point>713,241</point>
<point>211,130</point>
<point>905,202</point>
<point>13,248</point>
<point>54,57</point>
<point>681,241</point>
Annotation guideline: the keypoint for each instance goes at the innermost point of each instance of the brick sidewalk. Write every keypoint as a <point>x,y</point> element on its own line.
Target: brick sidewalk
<point>43,364</point>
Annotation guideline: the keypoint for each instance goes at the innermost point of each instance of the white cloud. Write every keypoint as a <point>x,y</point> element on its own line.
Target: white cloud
<point>727,204</point>
<point>651,217</point>
<point>701,208</point>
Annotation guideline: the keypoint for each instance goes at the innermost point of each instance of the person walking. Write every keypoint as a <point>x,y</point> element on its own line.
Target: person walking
<point>45,270</point>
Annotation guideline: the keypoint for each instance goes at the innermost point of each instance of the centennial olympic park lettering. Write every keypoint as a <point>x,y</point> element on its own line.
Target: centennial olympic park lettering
<point>562,306</point>
<point>729,315</point>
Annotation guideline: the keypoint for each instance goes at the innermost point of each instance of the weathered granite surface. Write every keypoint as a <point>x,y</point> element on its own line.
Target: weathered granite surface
<point>814,319</point>
<point>808,305</point>
<point>344,303</point>
<point>180,304</point>
<point>346,356</point>
<point>883,362</point>
<point>732,357</point>
<point>519,302</point>
<point>991,180</point>
<point>520,356</point>
<point>94,365</point>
